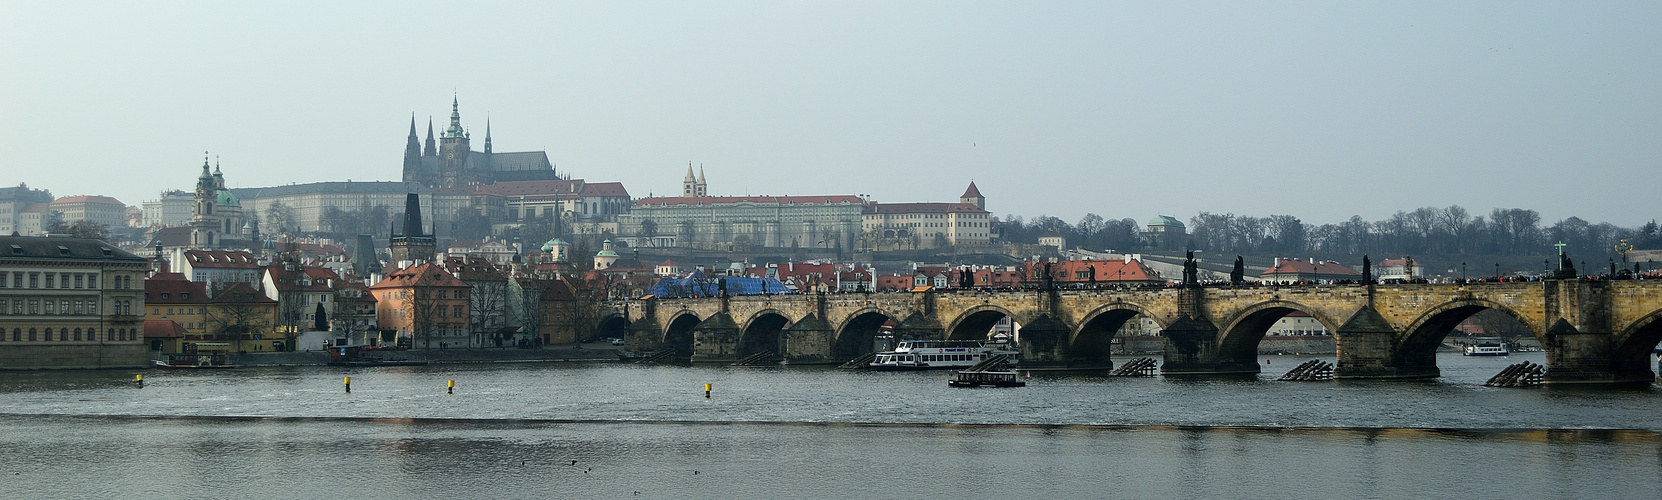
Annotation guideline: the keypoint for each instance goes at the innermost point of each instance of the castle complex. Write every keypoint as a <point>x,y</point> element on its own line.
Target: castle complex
<point>451,161</point>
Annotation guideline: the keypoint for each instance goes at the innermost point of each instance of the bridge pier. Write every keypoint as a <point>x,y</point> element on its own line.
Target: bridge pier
<point>809,341</point>
<point>1192,349</point>
<point>716,340</point>
<point>1368,349</point>
<point>1044,345</point>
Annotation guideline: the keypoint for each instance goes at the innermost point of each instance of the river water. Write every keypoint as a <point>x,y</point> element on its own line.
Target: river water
<point>645,431</point>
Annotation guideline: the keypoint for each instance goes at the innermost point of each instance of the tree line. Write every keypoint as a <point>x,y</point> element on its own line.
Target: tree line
<point>1450,230</point>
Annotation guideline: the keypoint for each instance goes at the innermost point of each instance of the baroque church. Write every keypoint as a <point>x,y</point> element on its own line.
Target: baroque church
<point>216,219</point>
<point>451,161</point>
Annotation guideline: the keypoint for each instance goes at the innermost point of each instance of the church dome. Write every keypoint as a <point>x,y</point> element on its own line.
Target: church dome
<point>226,199</point>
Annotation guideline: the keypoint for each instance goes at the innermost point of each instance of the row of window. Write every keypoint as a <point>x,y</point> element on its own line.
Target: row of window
<point>52,280</point>
<point>67,334</point>
<point>59,306</point>
<point>442,312</point>
<point>405,294</point>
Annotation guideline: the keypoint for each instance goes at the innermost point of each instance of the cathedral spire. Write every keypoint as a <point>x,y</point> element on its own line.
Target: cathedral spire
<point>487,134</point>
<point>412,147</point>
<point>455,128</point>
<point>432,149</point>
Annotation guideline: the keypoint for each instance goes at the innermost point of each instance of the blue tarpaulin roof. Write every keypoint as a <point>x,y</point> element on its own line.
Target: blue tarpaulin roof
<point>698,285</point>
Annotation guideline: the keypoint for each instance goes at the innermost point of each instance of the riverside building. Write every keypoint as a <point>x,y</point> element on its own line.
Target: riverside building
<point>70,303</point>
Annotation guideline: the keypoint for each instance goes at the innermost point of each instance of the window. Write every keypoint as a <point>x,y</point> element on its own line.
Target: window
<point>3,277</point>
<point>31,335</point>
<point>34,280</point>
<point>80,307</point>
<point>92,281</point>
<point>92,307</point>
<point>77,334</point>
<point>50,279</point>
<point>48,307</point>
<point>77,281</point>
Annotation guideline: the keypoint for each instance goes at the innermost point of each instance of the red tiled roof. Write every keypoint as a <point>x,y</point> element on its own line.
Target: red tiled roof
<point>1105,270</point>
<point>776,200</point>
<point>424,274</point>
<point>534,188</point>
<point>174,291</point>
<point>605,189</point>
<point>972,192</point>
<point>163,329</point>
<point>89,199</point>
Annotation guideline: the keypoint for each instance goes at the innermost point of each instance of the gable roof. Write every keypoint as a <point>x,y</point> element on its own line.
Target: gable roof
<point>972,192</point>
<point>911,208</point>
<point>423,274</point>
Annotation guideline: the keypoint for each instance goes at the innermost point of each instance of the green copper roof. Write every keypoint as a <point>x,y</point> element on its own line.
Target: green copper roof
<point>226,199</point>
<point>1165,220</point>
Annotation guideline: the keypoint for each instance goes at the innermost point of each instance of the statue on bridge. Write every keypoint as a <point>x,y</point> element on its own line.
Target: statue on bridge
<point>1238,274</point>
<point>1191,270</point>
<point>1566,268</point>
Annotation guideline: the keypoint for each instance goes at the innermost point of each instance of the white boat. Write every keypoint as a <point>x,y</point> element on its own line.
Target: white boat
<point>1486,346</point>
<point>940,354</point>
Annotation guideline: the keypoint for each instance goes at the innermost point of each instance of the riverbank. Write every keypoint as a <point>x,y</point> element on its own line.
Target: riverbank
<point>561,353</point>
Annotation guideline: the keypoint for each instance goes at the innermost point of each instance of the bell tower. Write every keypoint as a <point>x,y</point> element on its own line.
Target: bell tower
<point>453,148</point>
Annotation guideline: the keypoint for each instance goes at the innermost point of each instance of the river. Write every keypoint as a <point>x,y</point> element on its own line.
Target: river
<point>513,430</point>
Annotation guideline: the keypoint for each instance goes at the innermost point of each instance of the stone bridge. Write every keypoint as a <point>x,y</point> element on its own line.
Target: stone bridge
<point>1593,331</point>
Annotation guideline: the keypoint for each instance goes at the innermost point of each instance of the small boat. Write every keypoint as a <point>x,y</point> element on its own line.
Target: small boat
<point>940,354</point>
<point>980,378</point>
<point>1485,346</point>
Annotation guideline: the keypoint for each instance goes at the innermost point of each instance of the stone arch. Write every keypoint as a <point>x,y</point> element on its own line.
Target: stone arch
<point>858,333</point>
<point>678,333</point>
<point>974,323</point>
<point>1238,341</point>
<point>613,326</point>
<point>762,332</point>
<point>1631,353</point>
<point>1092,340</point>
<point>1427,331</point>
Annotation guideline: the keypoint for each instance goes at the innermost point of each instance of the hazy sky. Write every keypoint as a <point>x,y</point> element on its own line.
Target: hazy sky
<point>1321,110</point>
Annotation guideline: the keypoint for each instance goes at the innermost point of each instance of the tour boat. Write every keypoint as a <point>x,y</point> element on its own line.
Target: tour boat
<point>1486,346</point>
<point>940,354</point>
<point>994,378</point>
<point>366,355</point>
<point>195,361</point>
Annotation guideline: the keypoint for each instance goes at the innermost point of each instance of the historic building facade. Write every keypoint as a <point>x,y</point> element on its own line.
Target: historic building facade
<point>70,303</point>
<point>928,225</point>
